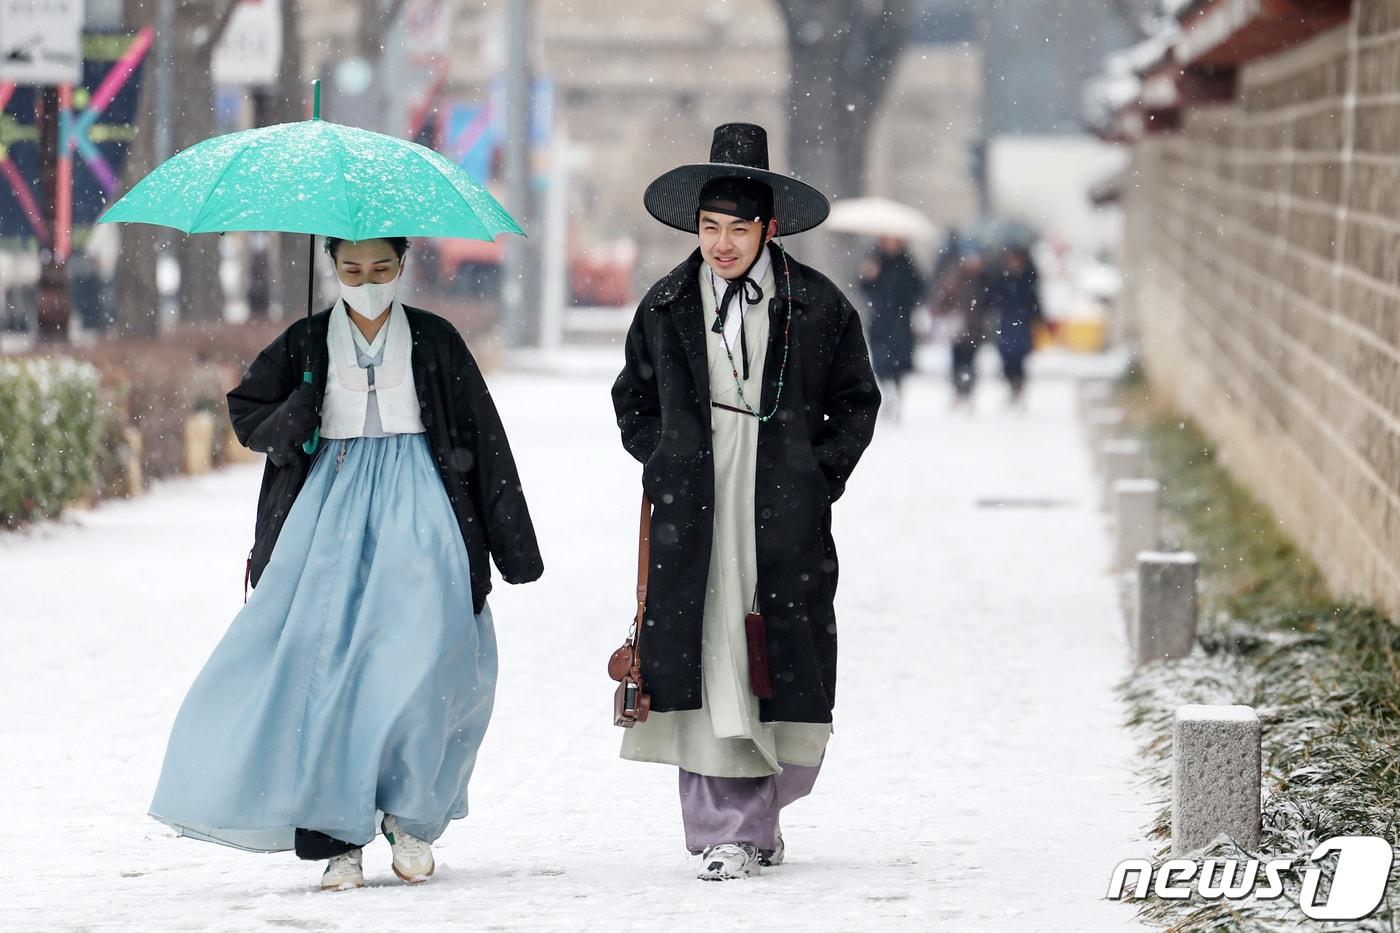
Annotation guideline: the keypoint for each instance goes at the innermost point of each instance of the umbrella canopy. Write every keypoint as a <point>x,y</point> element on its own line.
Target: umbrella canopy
<point>881,217</point>
<point>314,177</point>
<point>998,233</point>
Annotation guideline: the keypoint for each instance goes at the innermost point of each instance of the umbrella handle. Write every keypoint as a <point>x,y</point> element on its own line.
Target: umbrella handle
<point>311,445</point>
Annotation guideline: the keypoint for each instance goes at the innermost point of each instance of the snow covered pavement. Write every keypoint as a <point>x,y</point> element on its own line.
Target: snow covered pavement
<point>978,779</point>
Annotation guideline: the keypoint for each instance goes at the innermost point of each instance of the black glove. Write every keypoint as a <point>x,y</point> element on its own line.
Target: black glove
<point>299,416</point>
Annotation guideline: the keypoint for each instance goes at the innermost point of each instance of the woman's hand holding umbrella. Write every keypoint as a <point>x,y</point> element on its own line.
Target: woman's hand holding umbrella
<point>300,413</point>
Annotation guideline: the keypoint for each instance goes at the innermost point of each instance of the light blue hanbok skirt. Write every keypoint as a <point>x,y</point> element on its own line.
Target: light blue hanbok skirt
<point>356,680</point>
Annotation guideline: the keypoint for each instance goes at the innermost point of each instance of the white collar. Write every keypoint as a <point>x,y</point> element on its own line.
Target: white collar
<point>367,347</point>
<point>739,306</point>
<point>397,340</point>
<point>342,311</point>
<point>759,270</point>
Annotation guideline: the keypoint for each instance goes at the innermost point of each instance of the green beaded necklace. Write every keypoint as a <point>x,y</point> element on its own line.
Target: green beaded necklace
<point>787,342</point>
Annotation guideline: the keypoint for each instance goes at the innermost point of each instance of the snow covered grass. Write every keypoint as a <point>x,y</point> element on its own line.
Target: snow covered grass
<point>50,425</point>
<point>1323,677</point>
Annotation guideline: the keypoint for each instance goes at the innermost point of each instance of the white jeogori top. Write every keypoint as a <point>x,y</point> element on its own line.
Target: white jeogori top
<point>739,306</point>
<point>358,388</point>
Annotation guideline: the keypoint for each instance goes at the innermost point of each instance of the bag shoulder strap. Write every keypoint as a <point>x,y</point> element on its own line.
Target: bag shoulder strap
<point>634,665</point>
<point>643,562</point>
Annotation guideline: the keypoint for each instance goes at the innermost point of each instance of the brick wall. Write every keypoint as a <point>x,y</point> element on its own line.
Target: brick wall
<point>1262,252</point>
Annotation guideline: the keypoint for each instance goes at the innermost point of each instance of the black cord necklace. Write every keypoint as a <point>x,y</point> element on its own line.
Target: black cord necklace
<point>718,327</point>
<point>749,293</point>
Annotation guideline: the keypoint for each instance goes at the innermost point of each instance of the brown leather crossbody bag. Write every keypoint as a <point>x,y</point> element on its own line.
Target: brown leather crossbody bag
<point>631,702</point>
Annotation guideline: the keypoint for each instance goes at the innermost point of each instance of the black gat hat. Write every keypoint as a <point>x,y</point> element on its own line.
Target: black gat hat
<point>739,151</point>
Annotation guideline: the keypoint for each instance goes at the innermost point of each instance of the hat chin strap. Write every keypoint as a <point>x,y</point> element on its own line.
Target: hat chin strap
<point>758,254</point>
<point>752,294</point>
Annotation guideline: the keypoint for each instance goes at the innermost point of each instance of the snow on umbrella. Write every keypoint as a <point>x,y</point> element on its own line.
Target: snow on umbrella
<point>314,177</point>
<point>998,233</point>
<point>880,217</point>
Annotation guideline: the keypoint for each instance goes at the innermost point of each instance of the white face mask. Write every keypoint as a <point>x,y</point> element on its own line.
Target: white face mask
<point>370,299</point>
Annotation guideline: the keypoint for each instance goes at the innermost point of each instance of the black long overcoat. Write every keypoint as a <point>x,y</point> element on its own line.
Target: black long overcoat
<point>1015,297</point>
<point>805,455</point>
<point>893,294</point>
<point>464,431</point>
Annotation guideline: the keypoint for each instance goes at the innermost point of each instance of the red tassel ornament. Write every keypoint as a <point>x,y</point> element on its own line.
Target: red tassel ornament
<point>759,680</point>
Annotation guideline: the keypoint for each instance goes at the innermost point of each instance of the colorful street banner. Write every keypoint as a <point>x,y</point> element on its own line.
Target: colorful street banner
<point>473,132</point>
<point>470,138</point>
<point>96,127</point>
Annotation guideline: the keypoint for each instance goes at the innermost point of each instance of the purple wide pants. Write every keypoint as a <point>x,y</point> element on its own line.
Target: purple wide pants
<point>717,810</point>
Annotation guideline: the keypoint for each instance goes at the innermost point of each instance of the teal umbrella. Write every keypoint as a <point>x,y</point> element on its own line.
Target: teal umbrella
<point>314,177</point>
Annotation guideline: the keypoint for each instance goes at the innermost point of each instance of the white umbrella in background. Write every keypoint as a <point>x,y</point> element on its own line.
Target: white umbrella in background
<point>881,217</point>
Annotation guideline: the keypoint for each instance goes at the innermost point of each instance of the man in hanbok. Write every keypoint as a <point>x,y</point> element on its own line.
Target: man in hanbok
<point>748,397</point>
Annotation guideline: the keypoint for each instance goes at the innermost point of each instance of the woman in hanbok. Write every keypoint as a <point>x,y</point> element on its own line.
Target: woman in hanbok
<point>352,692</point>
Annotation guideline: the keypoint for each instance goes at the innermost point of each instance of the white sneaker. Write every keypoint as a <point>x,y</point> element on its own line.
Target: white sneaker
<point>728,861</point>
<point>413,858</point>
<point>769,859</point>
<point>344,872</point>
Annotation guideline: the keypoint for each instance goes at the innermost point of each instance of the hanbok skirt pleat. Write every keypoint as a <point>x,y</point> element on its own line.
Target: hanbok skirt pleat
<point>356,680</point>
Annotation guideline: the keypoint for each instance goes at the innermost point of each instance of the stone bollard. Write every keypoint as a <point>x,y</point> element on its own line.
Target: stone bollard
<point>1101,425</point>
<point>135,479</point>
<point>1215,777</point>
<point>1164,614</point>
<point>1093,393</point>
<point>1122,459</point>
<point>1127,584</point>
<point>1135,505</point>
<point>199,442</point>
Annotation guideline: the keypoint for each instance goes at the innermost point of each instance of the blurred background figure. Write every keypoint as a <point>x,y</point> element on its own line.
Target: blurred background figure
<point>91,272</point>
<point>962,302</point>
<point>893,287</point>
<point>1015,294</point>
<point>947,256</point>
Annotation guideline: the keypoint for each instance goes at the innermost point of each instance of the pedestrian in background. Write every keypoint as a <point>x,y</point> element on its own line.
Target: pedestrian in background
<point>963,302</point>
<point>947,256</point>
<point>1016,296</point>
<point>893,288</point>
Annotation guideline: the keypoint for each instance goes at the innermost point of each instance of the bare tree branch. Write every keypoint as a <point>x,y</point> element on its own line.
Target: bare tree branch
<point>878,38</point>
<point>220,25</point>
<point>373,20</point>
<point>843,53</point>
